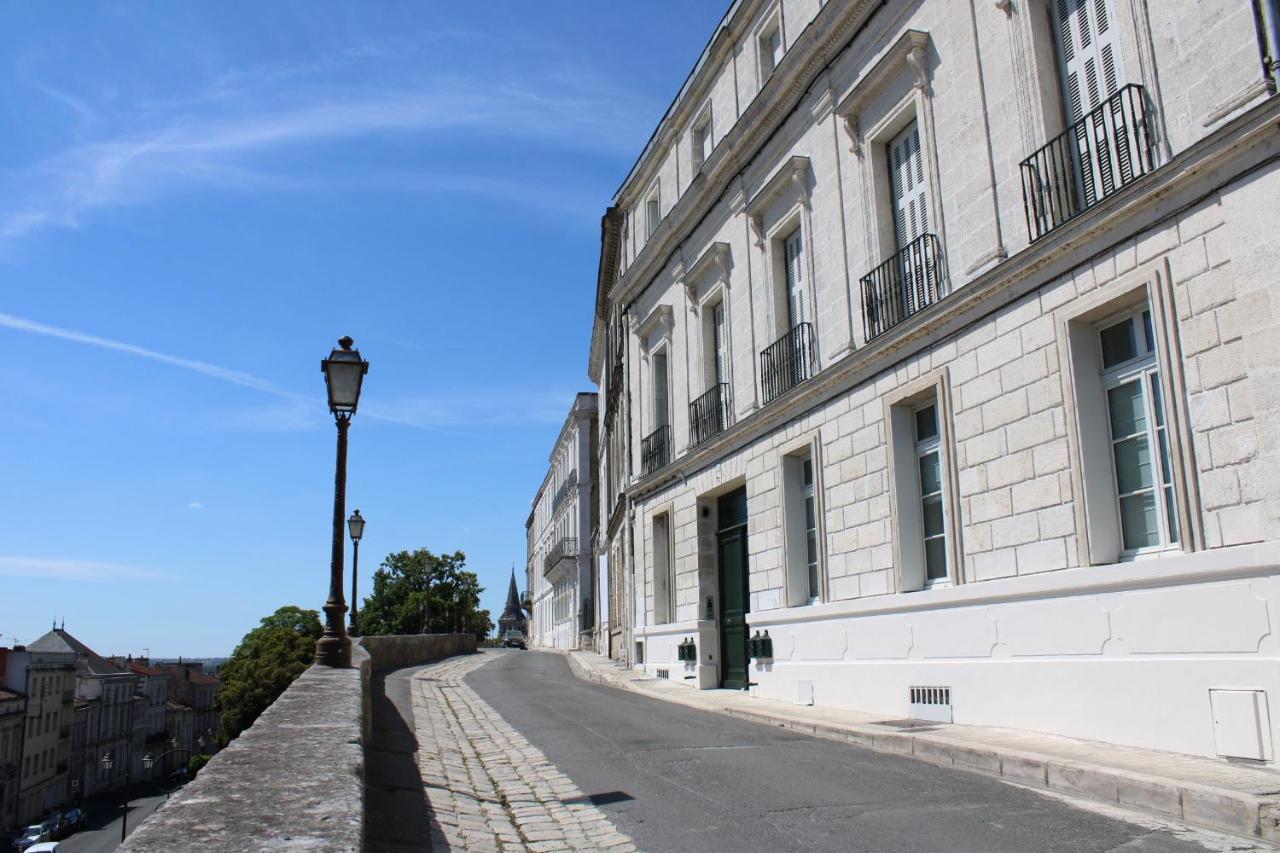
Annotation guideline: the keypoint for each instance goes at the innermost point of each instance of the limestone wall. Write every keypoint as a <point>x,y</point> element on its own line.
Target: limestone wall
<point>295,778</point>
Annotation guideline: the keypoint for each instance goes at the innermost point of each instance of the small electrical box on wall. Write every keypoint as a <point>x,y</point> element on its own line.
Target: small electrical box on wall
<point>1241,724</point>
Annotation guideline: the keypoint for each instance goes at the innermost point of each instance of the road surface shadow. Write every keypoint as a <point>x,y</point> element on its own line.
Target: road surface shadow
<point>397,817</point>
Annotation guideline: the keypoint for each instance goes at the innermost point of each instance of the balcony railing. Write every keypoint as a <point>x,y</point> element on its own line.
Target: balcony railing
<point>909,281</point>
<point>565,549</point>
<point>709,414</point>
<point>1102,152</point>
<point>565,490</point>
<point>655,450</point>
<point>787,362</point>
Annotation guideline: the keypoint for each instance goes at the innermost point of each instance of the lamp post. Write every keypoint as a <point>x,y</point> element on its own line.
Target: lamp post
<point>355,524</point>
<point>344,372</point>
<point>124,813</point>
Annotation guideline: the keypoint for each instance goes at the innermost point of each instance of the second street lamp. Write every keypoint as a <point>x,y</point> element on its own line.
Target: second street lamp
<point>355,524</point>
<point>344,372</point>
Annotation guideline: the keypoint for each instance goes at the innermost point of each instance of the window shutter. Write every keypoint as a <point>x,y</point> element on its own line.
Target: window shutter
<point>721,354</point>
<point>660,399</point>
<point>1088,53</point>
<point>910,191</point>
<point>795,280</point>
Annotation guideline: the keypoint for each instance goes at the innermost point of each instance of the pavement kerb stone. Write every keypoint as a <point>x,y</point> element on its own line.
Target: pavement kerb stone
<point>1223,809</point>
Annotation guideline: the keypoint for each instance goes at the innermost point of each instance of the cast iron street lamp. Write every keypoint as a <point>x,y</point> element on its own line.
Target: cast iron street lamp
<point>344,372</point>
<point>355,524</point>
<point>124,814</point>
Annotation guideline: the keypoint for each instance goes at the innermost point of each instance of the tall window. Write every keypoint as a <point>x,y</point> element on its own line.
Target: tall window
<point>1088,54</point>
<point>653,214</point>
<point>717,346</point>
<point>910,190</point>
<point>1140,447</point>
<point>702,140</point>
<point>801,511</point>
<point>661,397</point>
<point>770,50</point>
<point>664,581</point>
<point>794,271</point>
<point>933,515</point>
<point>810,530</point>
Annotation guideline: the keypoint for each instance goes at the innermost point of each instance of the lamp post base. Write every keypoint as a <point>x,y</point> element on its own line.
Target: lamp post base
<point>334,652</point>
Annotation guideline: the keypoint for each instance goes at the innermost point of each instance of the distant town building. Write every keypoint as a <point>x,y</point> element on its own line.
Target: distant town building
<point>196,689</point>
<point>13,707</point>
<point>46,673</point>
<point>560,564</point>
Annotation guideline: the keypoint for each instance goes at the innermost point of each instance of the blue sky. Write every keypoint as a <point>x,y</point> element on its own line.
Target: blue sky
<point>197,199</point>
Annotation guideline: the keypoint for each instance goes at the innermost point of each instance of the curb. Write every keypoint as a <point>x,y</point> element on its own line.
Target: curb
<point>1253,816</point>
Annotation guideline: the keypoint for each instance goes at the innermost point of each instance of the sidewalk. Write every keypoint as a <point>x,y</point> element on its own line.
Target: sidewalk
<point>1238,799</point>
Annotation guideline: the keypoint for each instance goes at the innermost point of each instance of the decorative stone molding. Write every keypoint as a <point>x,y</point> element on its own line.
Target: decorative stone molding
<point>793,174</point>
<point>716,255</point>
<point>911,48</point>
<point>660,317</point>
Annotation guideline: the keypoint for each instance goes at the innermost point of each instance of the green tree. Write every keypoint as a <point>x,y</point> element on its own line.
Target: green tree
<point>266,662</point>
<point>413,589</point>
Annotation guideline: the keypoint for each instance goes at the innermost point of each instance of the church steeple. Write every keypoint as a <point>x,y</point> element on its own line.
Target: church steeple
<point>513,615</point>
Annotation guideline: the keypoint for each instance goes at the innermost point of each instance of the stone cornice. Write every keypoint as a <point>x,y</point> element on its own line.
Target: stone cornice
<point>792,173</point>
<point>661,315</point>
<point>1112,221</point>
<point>827,34</point>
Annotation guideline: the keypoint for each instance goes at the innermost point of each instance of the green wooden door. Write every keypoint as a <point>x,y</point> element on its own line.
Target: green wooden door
<point>731,552</point>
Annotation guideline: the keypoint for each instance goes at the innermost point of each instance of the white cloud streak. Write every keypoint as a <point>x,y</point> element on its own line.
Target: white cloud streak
<point>60,569</point>
<point>235,377</point>
<point>191,148</point>
<point>495,408</point>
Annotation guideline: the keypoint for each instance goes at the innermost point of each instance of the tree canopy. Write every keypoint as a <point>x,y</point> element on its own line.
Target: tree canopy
<point>265,662</point>
<point>413,589</point>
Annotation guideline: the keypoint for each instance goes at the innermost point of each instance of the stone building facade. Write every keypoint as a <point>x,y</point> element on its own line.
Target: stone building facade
<point>943,337</point>
<point>13,709</point>
<point>46,675</point>
<point>560,565</point>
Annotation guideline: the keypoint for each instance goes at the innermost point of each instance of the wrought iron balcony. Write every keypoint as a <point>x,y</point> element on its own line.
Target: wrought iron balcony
<point>909,281</point>
<point>787,362</point>
<point>709,414</point>
<point>565,490</point>
<point>565,549</point>
<point>655,450</point>
<point>1105,150</point>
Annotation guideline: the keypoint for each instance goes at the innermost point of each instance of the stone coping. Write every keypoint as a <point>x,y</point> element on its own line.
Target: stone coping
<point>1233,798</point>
<point>294,780</point>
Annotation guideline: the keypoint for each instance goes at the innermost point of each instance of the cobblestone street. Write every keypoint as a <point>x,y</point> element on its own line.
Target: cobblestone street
<point>489,788</point>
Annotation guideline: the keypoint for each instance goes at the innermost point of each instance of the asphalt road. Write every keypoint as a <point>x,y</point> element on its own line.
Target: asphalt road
<point>103,831</point>
<point>680,779</point>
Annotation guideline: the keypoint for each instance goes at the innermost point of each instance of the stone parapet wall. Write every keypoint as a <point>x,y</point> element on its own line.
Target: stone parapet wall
<point>393,652</point>
<point>295,778</point>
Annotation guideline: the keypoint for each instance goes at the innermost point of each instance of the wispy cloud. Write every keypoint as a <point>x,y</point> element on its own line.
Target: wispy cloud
<point>57,568</point>
<point>490,408</point>
<point>195,505</point>
<point>234,141</point>
<point>235,377</point>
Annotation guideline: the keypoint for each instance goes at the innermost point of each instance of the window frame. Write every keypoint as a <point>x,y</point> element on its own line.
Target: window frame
<point>798,587</point>
<point>767,60</point>
<point>702,138</point>
<point>665,602</point>
<point>1093,474</point>
<point>923,448</point>
<point>907,519</point>
<point>652,210</point>
<point>1145,370</point>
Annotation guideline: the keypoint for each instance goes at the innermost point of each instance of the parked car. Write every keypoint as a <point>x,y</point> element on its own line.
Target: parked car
<point>514,639</point>
<point>32,835</point>
<point>73,820</point>
<point>44,847</point>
